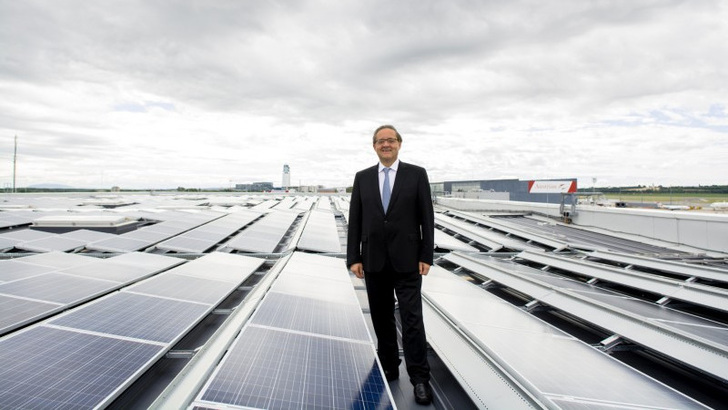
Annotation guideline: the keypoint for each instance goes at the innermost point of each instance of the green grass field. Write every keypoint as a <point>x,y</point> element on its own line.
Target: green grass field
<point>666,198</point>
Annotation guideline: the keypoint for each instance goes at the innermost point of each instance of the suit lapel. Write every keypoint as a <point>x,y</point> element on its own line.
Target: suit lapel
<point>373,183</point>
<point>399,182</point>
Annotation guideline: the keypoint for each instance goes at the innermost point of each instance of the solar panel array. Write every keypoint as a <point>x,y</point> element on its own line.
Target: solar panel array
<point>697,342</point>
<point>306,346</point>
<point>37,286</point>
<point>147,236</point>
<point>550,365</point>
<point>204,237</point>
<point>265,234</point>
<point>320,233</point>
<point>83,359</point>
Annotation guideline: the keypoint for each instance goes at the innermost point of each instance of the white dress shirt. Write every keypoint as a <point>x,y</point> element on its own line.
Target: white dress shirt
<point>392,176</point>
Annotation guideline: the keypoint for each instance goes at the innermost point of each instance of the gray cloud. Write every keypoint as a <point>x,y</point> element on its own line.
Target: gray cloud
<point>210,91</point>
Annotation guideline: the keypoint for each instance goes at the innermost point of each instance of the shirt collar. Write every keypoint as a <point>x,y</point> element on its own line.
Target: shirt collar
<point>393,167</point>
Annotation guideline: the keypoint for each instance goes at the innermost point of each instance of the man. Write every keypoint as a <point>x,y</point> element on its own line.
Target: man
<point>390,244</point>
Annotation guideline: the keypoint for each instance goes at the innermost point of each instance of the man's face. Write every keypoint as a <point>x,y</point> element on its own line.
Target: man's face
<point>387,146</point>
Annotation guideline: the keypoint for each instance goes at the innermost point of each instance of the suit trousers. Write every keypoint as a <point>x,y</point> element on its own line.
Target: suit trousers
<point>381,289</point>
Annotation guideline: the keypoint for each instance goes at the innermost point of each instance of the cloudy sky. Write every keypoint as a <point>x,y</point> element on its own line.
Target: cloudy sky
<point>161,94</point>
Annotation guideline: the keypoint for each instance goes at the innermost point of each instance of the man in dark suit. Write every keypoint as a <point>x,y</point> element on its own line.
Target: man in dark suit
<point>390,244</point>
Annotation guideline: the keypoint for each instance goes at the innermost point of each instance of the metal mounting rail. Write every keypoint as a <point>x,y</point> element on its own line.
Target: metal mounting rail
<point>680,268</point>
<point>515,230</point>
<point>704,355</point>
<point>699,294</point>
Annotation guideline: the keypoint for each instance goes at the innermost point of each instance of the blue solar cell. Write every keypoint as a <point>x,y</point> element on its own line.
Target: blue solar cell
<point>18,311</point>
<point>138,316</point>
<point>13,270</point>
<point>53,368</point>
<point>185,288</point>
<point>269,368</point>
<point>312,316</point>
<point>56,287</point>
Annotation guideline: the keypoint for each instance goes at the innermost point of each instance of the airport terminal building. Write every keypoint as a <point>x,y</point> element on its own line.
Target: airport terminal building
<point>500,189</point>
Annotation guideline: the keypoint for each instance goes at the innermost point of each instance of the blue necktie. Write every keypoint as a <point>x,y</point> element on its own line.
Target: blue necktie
<point>386,190</point>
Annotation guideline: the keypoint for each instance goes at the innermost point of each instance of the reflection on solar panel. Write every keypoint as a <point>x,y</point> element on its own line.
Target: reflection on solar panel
<point>8,220</point>
<point>303,204</point>
<point>320,233</point>
<point>85,357</point>
<point>33,292</point>
<point>524,347</point>
<point>15,269</point>
<point>310,315</point>
<point>150,235</point>
<point>52,243</point>
<point>206,236</point>
<point>445,241</point>
<point>264,235</point>
<point>23,235</point>
<point>136,316</point>
<point>306,350</point>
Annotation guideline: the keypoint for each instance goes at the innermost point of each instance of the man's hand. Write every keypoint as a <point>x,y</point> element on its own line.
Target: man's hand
<point>358,270</point>
<point>424,268</point>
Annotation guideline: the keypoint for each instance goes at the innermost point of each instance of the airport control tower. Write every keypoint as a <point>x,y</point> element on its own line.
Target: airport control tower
<point>286,177</point>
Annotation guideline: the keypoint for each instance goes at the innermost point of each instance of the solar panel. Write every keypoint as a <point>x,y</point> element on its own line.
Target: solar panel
<point>312,316</point>
<point>265,234</point>
<point>83,358</point>
<point>7,243</point>
<point>18,311</point>
<point>56,287</point>
<point>183,287</point>
<point>524,346</point>
<point>103,269</point>
<point>320,233</point>
<point>204,237</point>
<point>53,243</point>
<point>149,261</point>
<point>15,269</point>
<point>221,266</point>
<point>303,351</point>
<point>26,235</point>
<point>57,260</point>
<point>136,316</point>
<point>53,289</point>
<point>445,241</point>
<point>76,370</point>
<point>118,244</point>
<point>270,368</point>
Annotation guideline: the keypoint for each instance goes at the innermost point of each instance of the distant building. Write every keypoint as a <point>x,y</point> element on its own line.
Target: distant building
<point>255,187</point>
<point>286,177</point>
<point>501,189</point>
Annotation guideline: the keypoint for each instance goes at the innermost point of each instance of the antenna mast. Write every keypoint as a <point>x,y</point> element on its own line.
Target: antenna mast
<point>15,161</point>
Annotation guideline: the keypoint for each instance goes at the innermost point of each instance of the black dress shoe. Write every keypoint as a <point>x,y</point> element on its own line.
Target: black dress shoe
<point>391,375</point>
<point>423,393</point>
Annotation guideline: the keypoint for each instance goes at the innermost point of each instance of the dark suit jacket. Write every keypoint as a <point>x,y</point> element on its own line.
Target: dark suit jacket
<point>404,233</point>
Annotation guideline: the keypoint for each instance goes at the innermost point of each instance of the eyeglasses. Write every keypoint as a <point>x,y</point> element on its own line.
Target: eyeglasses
<point>387,140</point>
